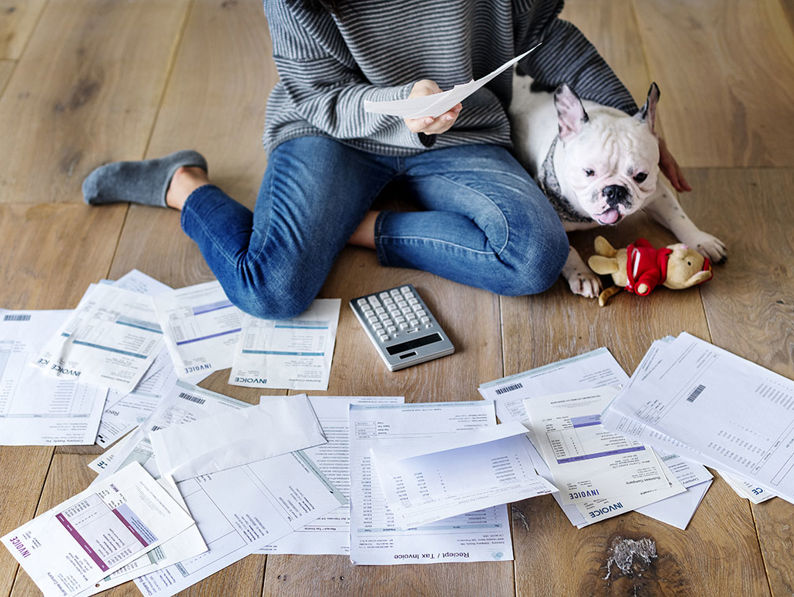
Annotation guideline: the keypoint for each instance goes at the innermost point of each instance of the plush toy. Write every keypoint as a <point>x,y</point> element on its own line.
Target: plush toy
<point>675,266</point>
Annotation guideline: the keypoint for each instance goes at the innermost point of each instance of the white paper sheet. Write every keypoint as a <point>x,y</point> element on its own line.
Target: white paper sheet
<point>594,369</point>
<point>201,328</point>
<point>212,444</point>
<point>483,535</point>
<point>238,510</point>
<point>69,548</point>
<point>329,534</point>
<point>36,409</point>
<point>678,510</point>
<point>110,340</point>
<point>458,473</point>
<point>603,473</point>
<point>713,407</point>
<point>747,489</point>
<point>288,354</point>
<point>124,412</point>
<point>438,103</point>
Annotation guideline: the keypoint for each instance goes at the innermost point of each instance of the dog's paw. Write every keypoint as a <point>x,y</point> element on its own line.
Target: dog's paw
<point>584,283</point>
<point>709,246</point>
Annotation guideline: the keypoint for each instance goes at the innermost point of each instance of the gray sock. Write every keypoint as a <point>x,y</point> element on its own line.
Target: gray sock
<point>144,182</point>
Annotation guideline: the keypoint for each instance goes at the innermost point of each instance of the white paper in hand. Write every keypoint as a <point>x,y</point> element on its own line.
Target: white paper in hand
<point>438,103</point>
<point>283,424</point>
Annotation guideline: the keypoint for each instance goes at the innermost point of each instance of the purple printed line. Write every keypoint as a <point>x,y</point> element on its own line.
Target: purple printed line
<point>585,421</point>
<point>82,542</point>
<point>208,337</point>
<point>600,454</point>
<point>200,310</point>
<point>130,528</point>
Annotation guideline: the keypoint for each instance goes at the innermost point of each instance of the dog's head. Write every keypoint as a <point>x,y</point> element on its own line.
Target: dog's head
<point>610,164</point>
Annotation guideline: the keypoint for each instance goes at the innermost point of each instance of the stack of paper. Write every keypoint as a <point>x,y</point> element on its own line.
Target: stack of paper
<point>713,407</point>
<point>589,372</point>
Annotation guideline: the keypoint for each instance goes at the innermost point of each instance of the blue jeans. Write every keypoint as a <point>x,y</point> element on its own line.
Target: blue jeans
<point>483,222</point>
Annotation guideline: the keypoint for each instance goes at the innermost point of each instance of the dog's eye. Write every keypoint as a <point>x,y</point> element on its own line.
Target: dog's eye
<point>589,172</point>
<point>640,178</point>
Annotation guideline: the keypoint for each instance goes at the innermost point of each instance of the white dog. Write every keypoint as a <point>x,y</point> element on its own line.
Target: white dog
<point>597,165</point>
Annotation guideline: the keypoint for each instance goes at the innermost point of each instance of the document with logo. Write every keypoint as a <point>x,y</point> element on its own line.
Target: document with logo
<point>288,354</point>
<point>124,412</point>
<point>238,510</point>
<point>375,538</point>
<point>329,534</point>
<point>715,408</point>
<point>201,328</point>
<point>438,103</point>
<point>602,473</point>
<point>36,409</point>
<point>458,473</point>
<point>747,489</point>
<point>110,340</point>
<point>68,549</point>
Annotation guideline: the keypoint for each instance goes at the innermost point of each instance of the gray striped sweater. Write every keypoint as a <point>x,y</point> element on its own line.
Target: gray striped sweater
<point>377,49</point>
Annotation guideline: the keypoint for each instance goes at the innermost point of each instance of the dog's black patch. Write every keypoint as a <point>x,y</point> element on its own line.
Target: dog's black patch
<point>538,87</point>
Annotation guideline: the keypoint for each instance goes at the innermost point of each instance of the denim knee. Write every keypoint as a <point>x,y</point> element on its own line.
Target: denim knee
<point>270,300</point>
<point>538,269</point>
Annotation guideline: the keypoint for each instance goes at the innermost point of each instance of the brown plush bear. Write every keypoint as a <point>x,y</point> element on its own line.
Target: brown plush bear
<point>675,266</point>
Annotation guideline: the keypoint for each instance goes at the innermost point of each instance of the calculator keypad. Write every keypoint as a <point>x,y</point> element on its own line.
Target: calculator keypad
<point>391,312</point>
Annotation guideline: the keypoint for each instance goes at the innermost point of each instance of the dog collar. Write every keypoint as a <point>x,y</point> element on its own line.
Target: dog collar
<point>550,185</point>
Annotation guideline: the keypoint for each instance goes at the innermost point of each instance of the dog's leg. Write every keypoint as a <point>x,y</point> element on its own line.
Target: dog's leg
<point>580,278</point>
<point>665,209</point>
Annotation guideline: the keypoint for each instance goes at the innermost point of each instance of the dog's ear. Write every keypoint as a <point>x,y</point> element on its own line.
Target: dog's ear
<point>648,112</point>
<point>570,112</point>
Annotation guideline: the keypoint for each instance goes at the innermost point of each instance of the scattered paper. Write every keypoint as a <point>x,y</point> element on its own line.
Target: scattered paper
<point>712,407</point>
<point>747,489</point>
<point>283,424</point>
<point>483,535</point>
<point>68,549</point>
<point>438,103</point>
<point>201,328</point>
<point>110,340</point>
<point>288,354</point>
<point>457,473</point>
<point>329,534</point>
<point>36,409</point>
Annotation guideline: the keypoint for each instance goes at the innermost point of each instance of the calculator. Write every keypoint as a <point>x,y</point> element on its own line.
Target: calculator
<point>401,327</point>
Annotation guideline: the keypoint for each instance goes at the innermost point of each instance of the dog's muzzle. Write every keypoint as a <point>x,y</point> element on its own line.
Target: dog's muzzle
<point>616,195</point>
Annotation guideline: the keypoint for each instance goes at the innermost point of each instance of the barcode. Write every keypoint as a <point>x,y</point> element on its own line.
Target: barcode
<point>696,392</point>
<point>16,317</point>
<point>510,388</point>
<point>192,398</point>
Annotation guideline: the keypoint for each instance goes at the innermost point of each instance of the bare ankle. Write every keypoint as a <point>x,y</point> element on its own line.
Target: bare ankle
<point>186,179</point>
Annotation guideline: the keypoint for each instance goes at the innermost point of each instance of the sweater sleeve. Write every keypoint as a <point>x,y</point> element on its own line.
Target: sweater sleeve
<point>566,56</point>
<point>321,82</point>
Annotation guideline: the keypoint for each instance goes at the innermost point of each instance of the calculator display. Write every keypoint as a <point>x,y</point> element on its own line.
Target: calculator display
<point>423,341</point>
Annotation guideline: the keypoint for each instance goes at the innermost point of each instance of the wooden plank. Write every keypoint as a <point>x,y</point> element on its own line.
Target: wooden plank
<point>48,262</point>
<point>357,370</point>
<point>220,113</point>
<point>611,26</point>
<point>85,92</point>
<point>750,306</point>
<point>6,68</point>
<point>720,66</point>
<point>24,470</point>
<point>17,20</point>
<point>51,253</point>
<point>556,325</point>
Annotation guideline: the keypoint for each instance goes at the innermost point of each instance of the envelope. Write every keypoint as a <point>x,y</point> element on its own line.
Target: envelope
<point>277,426</point>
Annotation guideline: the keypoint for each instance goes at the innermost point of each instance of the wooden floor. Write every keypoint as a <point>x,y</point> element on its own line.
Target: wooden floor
<point>84,82</point>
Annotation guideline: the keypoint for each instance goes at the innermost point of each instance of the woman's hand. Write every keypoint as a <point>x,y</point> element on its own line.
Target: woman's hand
<point>671,169</point>
<point>429,125</point>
